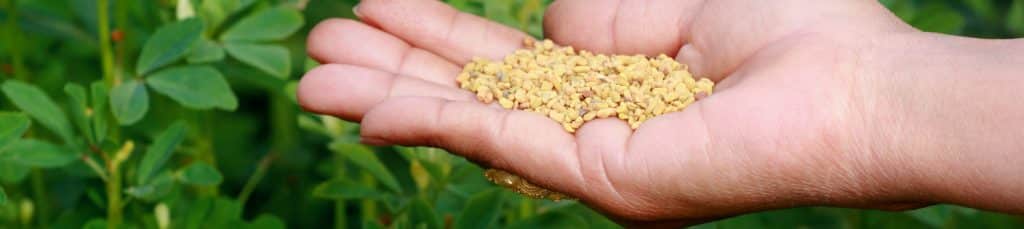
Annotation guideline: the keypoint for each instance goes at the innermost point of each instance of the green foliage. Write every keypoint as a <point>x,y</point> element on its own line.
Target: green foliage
<point>160,151</point>
<point>363,157</point>
<point>12,126</point>
<point>196,87</point>
<point>129,101</point>
<point>168,44</point>
<point>222,143</point>
<point>480,210</point>
<point>200,173</point>
<point>39,106</point>
<point>35,153</point>
<point>267,25</point>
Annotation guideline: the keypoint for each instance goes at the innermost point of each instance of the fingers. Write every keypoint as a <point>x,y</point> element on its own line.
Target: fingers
<point>621,27</point>
<point>349,91</point>
<point>436,27</point>
<point>343,41</point>
<point>527,144</point>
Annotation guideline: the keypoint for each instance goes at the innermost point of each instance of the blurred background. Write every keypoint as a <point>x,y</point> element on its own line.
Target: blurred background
<point>132,134</point>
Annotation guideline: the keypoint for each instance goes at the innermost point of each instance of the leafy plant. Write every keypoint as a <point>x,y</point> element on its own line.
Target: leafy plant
<point>181,114</point>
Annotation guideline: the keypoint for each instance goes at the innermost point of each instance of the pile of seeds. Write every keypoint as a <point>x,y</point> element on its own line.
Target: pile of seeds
<point>572,87</point>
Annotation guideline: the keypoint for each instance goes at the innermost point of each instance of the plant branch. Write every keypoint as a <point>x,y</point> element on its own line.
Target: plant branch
<point>103,36</point>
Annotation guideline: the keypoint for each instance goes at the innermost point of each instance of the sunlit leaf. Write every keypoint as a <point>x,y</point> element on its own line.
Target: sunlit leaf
<point>271,59</point>
<point>267,25</point>
<point>168,44</point>
<point>205,51</point>
<point>34,102</point>
<point>196,87</point>
<point>129,102</point>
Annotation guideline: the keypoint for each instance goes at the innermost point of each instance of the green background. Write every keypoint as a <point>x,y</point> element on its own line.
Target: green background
<point>102,125</point>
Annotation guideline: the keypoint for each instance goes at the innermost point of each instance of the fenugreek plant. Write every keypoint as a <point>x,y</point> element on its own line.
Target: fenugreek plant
<point>181,114</point>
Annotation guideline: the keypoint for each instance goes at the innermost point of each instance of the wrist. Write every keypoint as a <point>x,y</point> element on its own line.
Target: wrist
<point>942,118</point>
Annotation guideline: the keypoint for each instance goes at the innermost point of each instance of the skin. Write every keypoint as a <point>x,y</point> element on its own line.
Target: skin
<point>818,103</point>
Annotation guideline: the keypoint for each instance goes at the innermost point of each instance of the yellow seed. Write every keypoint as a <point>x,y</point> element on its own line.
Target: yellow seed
<point>575,86</point>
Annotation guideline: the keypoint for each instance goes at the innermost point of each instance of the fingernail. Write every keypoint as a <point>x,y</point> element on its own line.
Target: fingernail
<point>355,10</point>
<point>372,141</point>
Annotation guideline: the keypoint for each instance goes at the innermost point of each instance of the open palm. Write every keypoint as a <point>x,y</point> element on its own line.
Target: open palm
<point>783,128</point>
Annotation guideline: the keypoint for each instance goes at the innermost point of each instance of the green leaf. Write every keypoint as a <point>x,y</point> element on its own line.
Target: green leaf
<point>158,153</point>
<point>224,211</point>
<point>97,223</point>
<point>201,174</point>
<point>214,12</point>
<point>365,158</point>
<point>373,224</point>
<point>36,153</point>
<point>549,220</point>
<point>290,91</point>
<point>129,102</point>
<point>983,8</point>
<point>99,111</point>
<point>1015,17</point>
<point>196,87</point>
<point>157,188</point>
<point>267,25</point>
<point>12,127</point>
<point>341,189</point>
<point>168,44</point>
<point>940,18</point>
<point>34,102</point>
<point>11,172</point>
<point>270,59</point>
<point>205,51</point>
<point>904,9</point>
<point>421,212</point>
<point>266,221</point>
<point>481,210</point>
<point>3,196</point>
<point>77,103</point>
<point>935,216</point>
<point>196,215</point>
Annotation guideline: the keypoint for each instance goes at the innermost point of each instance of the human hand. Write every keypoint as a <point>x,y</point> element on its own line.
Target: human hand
<point>788,124</point>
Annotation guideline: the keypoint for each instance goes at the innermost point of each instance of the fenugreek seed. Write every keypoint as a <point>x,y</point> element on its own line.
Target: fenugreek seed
<point>575,86</point>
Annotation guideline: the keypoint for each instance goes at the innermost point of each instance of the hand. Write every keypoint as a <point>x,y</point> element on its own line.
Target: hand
<point>790,122</point>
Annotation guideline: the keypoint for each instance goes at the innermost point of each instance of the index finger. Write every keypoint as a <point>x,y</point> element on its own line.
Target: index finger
<point>435,26</point>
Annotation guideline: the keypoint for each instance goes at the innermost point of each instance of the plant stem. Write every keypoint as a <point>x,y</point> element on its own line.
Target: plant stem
<point>257,176</point>
<point>121,20</point>
<point>526,208</point>
<point>13,40</point>
<point>114,207</point>
<point>340,216</point>
<point>103,36</point>
<point>41,198</point>
<point>369,207</point>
